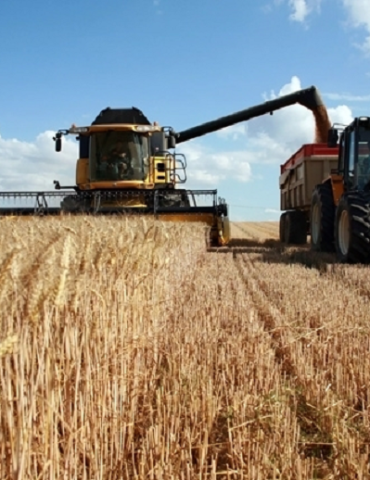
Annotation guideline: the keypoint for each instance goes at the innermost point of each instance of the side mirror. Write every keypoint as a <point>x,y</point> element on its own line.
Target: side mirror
<point>58,142</point>
<point>333,137</point>
<point>58,145</point>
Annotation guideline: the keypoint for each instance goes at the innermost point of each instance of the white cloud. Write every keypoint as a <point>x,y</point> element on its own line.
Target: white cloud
<point>341,114</point>
<point>34,165</point>
<point>359,12</point>
<point>348,97</point>
<point>157,5</point>
<point>359,17</point>
<point>234,132</point>
<point>300,9</point>
<point>209,168</point>
<point>202,177</point>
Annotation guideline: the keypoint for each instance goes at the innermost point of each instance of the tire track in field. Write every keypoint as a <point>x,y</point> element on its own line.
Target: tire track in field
<point>239,368</point>
<point>256,230</point>
<point>353,277</point>
<point>269,229</point>
<point>235,230</point>
<point>337,295</point>
<point>248,379</point>
<point>252,236</point>
<point>262,376</point>
<point>342,318</point>
<point>239,231</point>
<point>291,353</point>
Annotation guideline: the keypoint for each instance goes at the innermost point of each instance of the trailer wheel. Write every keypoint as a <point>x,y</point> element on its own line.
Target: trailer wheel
<point>322,218</point>
<point>352,228</point>
<point>295,227</point>
<point>282,227</point>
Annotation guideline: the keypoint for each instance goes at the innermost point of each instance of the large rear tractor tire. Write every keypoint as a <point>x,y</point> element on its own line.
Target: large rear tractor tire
<point>352,228</point>
<point>295,228</point>
<point>322,218</point>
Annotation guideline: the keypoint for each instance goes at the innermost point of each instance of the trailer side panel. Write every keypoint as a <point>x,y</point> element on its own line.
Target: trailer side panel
<point>309,166</point>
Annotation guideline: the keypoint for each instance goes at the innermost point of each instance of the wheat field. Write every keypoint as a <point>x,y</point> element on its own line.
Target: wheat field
<point>130,351</point>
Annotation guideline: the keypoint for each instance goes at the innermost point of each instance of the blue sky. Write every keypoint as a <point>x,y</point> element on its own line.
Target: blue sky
<point>182,62</point>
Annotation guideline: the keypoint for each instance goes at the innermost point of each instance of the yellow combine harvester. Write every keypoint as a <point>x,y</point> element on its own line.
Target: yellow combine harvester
<point>128,165</point>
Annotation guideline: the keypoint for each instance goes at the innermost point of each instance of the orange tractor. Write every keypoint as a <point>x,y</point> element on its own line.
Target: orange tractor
<point>325,192</point>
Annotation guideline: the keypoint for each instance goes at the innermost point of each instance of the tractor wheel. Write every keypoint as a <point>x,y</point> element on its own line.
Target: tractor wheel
<point>322,218</point>
<point>352,228</point>
<point>295,227</point>
<point>282,227</point>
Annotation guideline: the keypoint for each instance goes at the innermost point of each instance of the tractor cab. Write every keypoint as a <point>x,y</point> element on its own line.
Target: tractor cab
<point>354,153</point>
